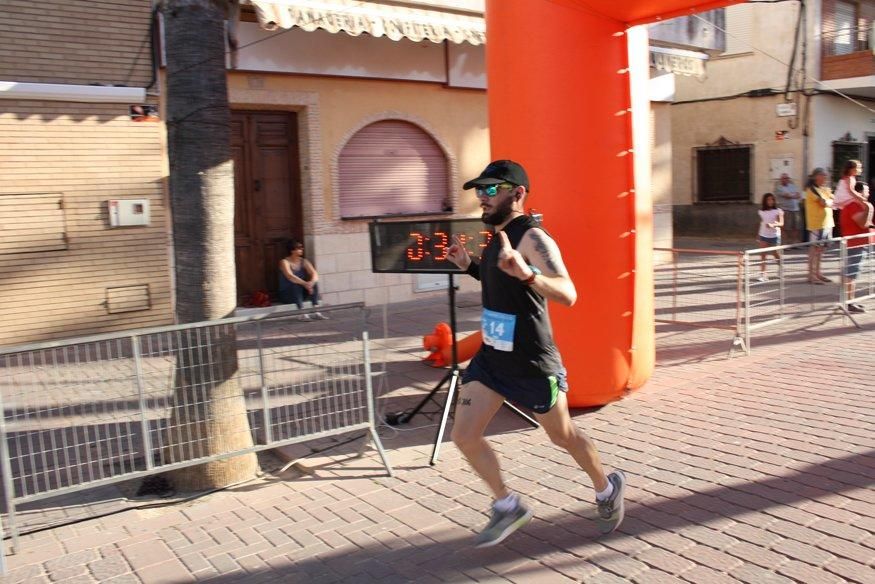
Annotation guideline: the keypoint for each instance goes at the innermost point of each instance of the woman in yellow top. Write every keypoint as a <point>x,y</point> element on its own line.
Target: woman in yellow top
<point>818,221</point>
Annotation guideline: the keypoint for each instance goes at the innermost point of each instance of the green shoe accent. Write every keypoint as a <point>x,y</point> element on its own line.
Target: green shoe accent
<point>501,525</point>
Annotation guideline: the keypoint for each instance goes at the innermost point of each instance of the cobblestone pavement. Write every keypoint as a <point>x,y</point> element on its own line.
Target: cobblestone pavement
<point>753,469</point>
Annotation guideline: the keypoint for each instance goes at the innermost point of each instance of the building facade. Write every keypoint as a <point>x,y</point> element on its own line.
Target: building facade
<point>680,47</point>
<point>334,123</point>
<point>385,109</point>
<point>341,115</point>
<point>70,74</point>
<point>767,106</point>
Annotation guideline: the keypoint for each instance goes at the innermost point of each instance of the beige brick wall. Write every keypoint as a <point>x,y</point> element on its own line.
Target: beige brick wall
<point>90,153</point>
<point>76,41</point>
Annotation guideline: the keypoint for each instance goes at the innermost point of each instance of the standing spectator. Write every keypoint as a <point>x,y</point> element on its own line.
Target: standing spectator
<point>855,217</point>
<point>771,221</point>
<point>847,192</point>
<point>788,201</point>
<point>298,280</point>
<point>819,222</point>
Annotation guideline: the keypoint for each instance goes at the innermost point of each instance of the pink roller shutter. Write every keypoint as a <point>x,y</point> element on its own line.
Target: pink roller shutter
<point>392,168</point>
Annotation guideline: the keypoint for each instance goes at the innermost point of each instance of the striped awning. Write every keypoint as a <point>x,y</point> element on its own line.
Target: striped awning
<point>355,17</point>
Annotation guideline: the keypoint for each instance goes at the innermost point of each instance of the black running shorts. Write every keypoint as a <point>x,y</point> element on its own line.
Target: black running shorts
<point>538,394</point>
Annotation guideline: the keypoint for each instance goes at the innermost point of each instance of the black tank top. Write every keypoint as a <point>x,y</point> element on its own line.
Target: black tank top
<point>534,353</point>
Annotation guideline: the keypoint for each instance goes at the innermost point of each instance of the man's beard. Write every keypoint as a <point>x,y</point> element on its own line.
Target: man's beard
<point>499,214</point>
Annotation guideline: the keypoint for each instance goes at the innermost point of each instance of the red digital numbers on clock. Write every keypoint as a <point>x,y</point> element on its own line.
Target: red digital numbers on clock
<point>416,252</point>
<point>441,246</point>
<point>487,237</point>
<point>435,247</point>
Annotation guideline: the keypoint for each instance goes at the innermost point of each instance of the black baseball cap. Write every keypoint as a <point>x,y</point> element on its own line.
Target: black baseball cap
<point>500,171</point>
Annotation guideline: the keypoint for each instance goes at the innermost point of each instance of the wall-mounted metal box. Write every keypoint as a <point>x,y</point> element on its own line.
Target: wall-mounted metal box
<point>128,212</point>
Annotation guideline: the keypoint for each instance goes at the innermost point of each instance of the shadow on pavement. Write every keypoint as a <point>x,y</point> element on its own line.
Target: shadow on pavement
<point>678,345</point>
<point>450,554</point>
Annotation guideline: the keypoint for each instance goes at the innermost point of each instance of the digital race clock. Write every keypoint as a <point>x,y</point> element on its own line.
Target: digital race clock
<point>421,246</point>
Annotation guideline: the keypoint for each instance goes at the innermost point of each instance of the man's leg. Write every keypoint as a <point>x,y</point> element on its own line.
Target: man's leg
<point>476,408</point>
<point>610,489</point>
<point>852,270</point>
<point>477,405</point>
<point>564,434</point>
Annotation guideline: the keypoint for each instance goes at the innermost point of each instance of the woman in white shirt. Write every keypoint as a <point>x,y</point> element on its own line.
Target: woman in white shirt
<point>771,221</point>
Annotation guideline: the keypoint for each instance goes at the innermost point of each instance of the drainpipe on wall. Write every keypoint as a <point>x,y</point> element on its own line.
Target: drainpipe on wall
<point>806,116</point>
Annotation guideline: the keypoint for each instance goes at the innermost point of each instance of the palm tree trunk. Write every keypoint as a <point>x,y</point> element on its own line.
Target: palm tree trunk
<point>209,413</point>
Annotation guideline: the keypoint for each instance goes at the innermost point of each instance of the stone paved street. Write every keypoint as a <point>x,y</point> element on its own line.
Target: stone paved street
<point>754,469</point>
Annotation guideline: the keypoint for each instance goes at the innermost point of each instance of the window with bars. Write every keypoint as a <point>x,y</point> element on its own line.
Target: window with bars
<point>723,174</point>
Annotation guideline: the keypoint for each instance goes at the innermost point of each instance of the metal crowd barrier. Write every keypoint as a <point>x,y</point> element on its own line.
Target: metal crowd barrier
<point>86,412</point>
<point>726,289</point>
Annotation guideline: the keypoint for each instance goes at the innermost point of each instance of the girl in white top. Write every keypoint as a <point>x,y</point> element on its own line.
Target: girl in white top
<point>846,191</point>
<point>771,221</point>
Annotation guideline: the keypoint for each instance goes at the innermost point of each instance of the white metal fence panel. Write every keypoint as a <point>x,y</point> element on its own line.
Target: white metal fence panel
<point>87,412</point>
<point>753,289</point>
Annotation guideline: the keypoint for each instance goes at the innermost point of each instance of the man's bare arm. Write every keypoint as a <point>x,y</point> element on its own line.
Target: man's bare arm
<point>553,283</point>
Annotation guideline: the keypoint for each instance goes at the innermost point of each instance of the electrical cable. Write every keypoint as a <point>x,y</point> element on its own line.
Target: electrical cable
<point>383,386</point>
<point>761,92</point>
<point>801,83</point>
<point>774,58</point>
<point>790,70</point>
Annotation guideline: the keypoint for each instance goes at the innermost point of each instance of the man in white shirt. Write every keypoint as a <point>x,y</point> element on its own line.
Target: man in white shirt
<point>788,201</point>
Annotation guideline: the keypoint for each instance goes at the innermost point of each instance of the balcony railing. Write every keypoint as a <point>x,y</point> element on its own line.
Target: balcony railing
<point>847,40</point>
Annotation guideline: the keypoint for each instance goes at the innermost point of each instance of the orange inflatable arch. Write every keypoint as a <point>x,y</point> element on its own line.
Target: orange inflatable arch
<point>566,80</point>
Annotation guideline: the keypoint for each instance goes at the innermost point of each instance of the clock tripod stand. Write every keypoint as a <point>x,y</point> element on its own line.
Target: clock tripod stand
<point>453,378</point>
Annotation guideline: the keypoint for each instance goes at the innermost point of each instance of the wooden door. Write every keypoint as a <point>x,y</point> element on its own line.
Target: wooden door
<point>267,187</point>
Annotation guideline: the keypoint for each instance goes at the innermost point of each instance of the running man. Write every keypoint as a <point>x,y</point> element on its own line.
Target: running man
<point>520,270</point>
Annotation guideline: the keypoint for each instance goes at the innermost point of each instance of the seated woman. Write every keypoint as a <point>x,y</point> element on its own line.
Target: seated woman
<point>298,280</point>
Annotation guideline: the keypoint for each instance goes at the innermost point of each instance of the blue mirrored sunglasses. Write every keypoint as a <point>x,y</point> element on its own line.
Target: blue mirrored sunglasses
<point>492,190</point>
